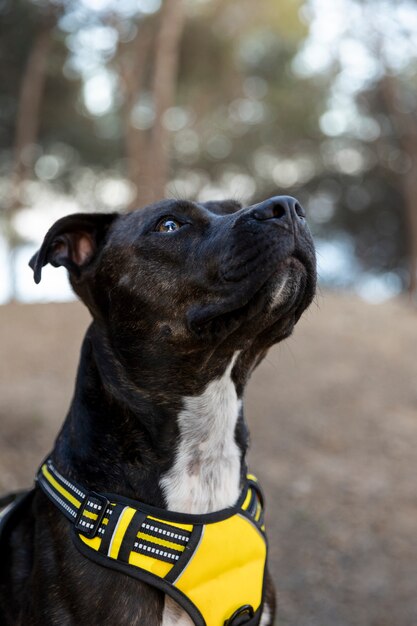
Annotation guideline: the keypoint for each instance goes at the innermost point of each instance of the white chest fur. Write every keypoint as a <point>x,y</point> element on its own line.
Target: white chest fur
<point>206,473</point>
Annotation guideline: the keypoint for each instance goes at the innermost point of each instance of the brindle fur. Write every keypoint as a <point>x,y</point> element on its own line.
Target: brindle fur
<point>169,311</point>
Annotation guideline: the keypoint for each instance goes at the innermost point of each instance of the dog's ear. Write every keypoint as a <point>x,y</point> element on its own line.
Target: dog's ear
<point>72,242</point>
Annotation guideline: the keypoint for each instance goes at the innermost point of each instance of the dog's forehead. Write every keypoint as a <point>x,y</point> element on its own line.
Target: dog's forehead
<point>165,207</point>
<point>140,220</point>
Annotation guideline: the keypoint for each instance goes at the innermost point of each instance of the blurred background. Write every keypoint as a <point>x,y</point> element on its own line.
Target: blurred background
<point>111,104</point>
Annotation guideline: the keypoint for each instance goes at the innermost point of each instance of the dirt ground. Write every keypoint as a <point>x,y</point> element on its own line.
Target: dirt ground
<point>333,414</point>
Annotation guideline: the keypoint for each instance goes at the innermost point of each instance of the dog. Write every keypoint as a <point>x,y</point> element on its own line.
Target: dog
<point>186,299</point>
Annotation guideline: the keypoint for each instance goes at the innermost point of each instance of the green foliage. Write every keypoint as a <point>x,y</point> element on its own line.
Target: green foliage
<point>250,126</point>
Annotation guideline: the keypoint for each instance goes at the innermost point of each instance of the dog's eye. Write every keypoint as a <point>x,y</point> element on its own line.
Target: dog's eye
<point>167,225</point>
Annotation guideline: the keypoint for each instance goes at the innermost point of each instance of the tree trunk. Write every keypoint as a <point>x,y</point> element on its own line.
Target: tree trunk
<point>410,194</point>
<point>30,98</point>
<point>406,127</point>
<point>163,93</point>
<point>26,134</point>
<point>132,74</point>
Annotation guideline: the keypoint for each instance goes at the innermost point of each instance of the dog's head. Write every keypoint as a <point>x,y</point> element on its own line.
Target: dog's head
<point>183,280</point>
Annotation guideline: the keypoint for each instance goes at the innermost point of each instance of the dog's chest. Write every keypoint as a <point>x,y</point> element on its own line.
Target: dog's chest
<point>205,476</point>
<point>206,471</point>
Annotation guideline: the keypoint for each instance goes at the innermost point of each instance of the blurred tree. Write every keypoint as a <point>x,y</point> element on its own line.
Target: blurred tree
<point>28,105</point>
<point>234,107</point>
<point>163,92</point>
<point>216,98</point>
<point>405,139</point>
<point>369,160</point>
<point>132,63</point>
<point>148,152</point>
<point>29,101</point>
<point>393,94</point>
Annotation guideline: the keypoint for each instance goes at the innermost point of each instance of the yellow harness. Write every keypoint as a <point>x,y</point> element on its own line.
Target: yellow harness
<point>213,565</point>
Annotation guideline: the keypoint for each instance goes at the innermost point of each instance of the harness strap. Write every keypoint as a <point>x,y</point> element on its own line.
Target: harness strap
<point>157,546</point>
<point>10,510</point>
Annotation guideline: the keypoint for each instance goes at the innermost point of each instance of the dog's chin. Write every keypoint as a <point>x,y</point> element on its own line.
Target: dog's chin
<point>282,295</point>
<point>287,289</point>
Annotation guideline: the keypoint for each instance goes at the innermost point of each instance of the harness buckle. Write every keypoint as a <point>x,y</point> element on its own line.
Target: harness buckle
<point>89,519</point>
<point>241,616</point>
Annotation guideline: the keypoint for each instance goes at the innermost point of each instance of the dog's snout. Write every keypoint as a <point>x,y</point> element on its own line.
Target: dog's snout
<point>284,209</point>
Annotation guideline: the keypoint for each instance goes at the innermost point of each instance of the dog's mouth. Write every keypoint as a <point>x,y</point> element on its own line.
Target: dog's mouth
<point>275,296</point>
<point>208,321</point>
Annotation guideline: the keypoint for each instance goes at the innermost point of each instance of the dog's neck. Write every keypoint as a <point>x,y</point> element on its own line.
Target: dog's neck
<point>206,472</point>
<point>186,456</point>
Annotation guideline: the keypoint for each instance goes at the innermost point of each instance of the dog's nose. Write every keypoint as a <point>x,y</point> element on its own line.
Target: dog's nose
<point>285,209</point>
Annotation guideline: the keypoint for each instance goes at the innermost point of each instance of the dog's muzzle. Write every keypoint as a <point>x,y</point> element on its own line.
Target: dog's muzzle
<point>258,250</point>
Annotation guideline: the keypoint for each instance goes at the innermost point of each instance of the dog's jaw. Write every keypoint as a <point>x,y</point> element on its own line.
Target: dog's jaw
<point>279,293</point>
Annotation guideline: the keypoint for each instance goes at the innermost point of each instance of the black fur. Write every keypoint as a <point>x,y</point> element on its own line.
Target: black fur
<point>169,311</point>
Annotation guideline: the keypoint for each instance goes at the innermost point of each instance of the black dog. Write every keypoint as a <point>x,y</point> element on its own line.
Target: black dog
<point>186,299</point>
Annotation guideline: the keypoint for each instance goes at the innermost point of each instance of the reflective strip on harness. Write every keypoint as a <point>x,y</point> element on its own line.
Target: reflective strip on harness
<point>212,565</point>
